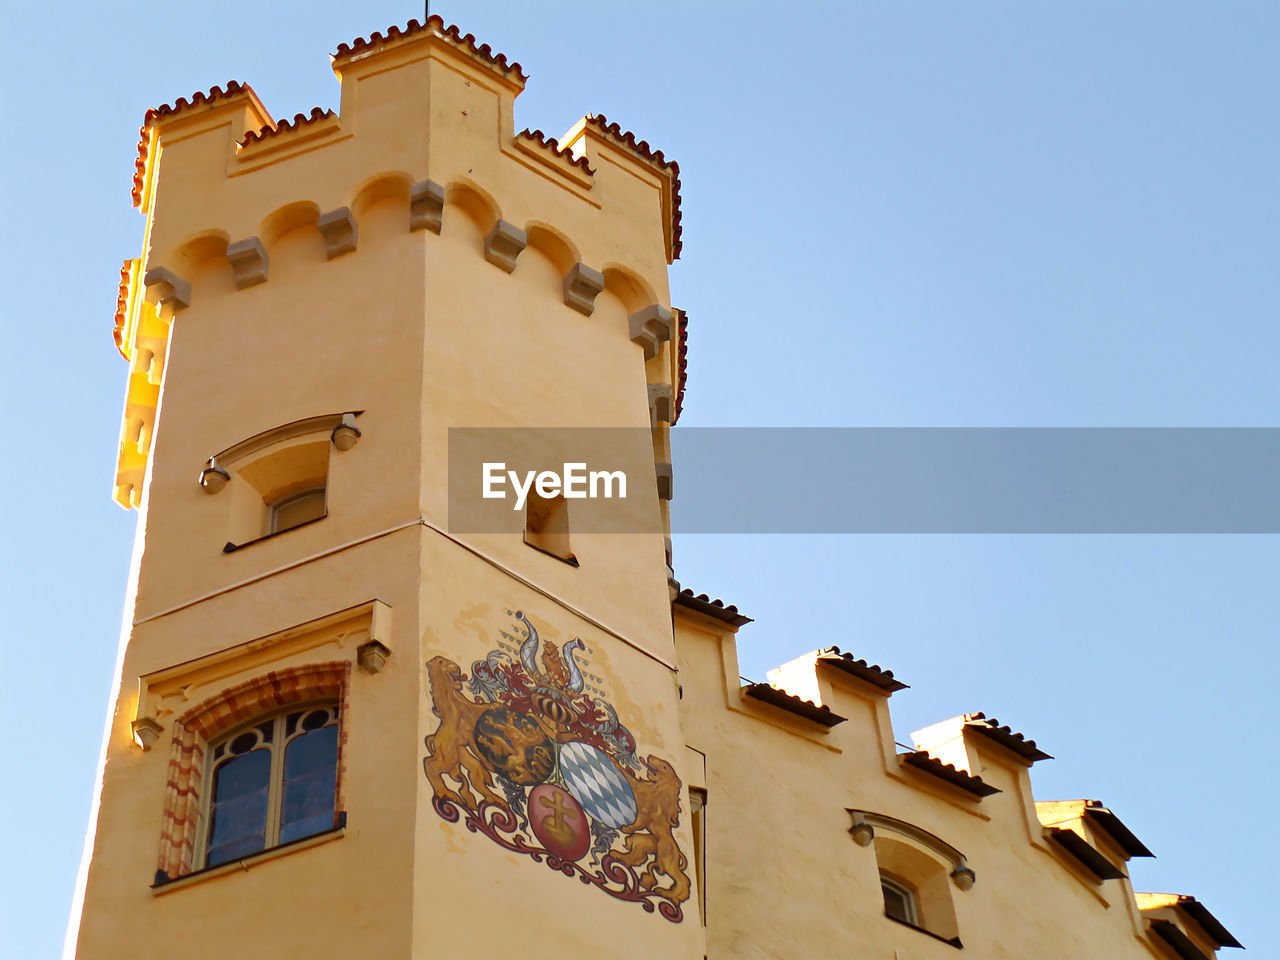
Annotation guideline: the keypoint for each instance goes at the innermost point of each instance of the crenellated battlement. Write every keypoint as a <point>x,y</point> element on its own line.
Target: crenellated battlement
<point>953,810</point>
<point>426,122</point>
<point>434,28</point>
<point>464,88</point>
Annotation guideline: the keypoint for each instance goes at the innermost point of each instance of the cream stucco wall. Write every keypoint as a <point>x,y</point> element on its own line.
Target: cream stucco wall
<point>418,330</point>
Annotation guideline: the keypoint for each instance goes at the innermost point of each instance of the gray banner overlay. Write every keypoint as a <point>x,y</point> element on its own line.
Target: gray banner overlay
<point>889,480</point>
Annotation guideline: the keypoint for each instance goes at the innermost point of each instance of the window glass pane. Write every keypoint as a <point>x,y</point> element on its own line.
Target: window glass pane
<point>241,775</point>
<point>238,811</point>
<point>311,752</point>
<point>235,849</point>
<point>298,510</point>
<point>898,902</point>
<point>310,780</point>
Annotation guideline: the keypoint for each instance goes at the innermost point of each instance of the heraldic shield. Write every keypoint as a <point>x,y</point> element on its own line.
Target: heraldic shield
<point>539,762</point>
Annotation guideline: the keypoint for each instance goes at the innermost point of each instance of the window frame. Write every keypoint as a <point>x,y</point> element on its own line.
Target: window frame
<point>907,893</point>
<point>274,508</point>
<point>208,720</point>
<point>278,746</point>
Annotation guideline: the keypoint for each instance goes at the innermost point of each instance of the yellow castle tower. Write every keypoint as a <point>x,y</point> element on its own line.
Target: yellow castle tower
<point>358,716</point>
<point>341,729</point>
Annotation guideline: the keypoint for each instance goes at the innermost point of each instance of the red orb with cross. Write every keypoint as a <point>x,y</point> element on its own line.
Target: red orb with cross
<point>558,822</point>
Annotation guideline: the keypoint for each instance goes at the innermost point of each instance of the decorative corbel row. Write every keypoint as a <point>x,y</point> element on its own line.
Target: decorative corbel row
<point>426,206</point>
<point>661,404</point>
<point>249,262</point>
<point>166,288</point>
<point>663,471</point>
<point>503,244</point>
<point>650,328</point>
<point>339,230</point>
<point>581,286</point>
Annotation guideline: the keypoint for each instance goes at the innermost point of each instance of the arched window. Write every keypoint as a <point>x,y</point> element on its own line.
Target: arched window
<point>918,873</point>
<point>271,782</point>
<point>278,480</point>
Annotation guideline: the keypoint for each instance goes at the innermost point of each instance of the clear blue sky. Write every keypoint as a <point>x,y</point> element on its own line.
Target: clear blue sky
<point>896,214</point>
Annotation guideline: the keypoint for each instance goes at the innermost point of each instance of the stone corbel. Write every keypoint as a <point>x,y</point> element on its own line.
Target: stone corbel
<point>863,833</point>
<point>963,876</point>
<point>426,206</point>
<point>213,478</point>
<point>146,731</point>
<point>661,405</point>
<point>339,230</point>
<point>248,259</point>
<point>346,434</point>
<point>581,286</point>
<point>372,656</point>
<point>663,471</point>
<point>650,328</point>
<point>503,245</point>
<point>166,289</point>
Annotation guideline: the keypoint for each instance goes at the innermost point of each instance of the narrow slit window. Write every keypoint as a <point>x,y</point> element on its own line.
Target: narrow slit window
<point>546,525</point>
<point>698,821</point>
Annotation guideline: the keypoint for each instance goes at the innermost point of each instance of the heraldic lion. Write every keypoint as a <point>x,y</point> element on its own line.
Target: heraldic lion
<point>657,814</point>
<point>451,749</point>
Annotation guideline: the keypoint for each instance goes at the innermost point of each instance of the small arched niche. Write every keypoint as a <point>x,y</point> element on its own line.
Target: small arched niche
<point>466,204</point>
<point>290,235</point>
<point>285,220</point>
<point>554,245</point>
<point>201,260</point>
<point>381,205</point>
<point>629,288</point>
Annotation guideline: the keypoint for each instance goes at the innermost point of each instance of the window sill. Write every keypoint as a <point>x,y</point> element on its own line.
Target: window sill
<point>233,547</point>
<point>571,560</point>
<point>244,864</point>
<point>950,941</point>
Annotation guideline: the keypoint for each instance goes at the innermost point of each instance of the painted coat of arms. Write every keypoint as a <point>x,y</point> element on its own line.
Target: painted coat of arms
<point>537,753</point>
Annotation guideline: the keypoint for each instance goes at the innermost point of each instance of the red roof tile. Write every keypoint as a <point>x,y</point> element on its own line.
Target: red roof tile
<point>552,144</point>
<point>925,761</point>
<point>1208,922</point>
<point>990,727</point>
<point>1085,853</point>
<point>642,149</point>
<point>451,33</point>
<point>818,713</point>
<point>122,305</point>
<point>872,673</point>
<point>284,126</point>
<point>712,608</point>
<point>199,98</point>
<point>1098,812</point>
<point>682,339</point>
